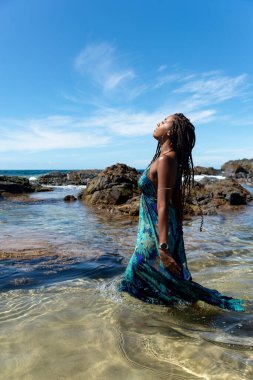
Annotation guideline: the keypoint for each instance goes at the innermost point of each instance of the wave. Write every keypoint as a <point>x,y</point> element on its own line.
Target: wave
<point>199,177</point>
<point>67,187</point>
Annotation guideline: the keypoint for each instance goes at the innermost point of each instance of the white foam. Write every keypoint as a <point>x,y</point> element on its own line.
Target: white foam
<point>33,179</point>
<point>67,187</point>
<point>201,176</point>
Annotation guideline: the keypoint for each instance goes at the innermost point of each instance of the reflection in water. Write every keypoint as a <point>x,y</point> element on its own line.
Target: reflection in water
<point>62,317</point>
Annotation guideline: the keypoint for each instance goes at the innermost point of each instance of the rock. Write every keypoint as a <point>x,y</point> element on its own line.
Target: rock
<point>39,188</point>
<point>74,177</point>
<point>14,185</point>
<point>69,198</point>
<point>250,177</point>
<point>208,180</point>
<point>114,189</point>
<point>131,207</point>
<point>236,199</point>
<point>239,169</point>
<point>216,196</point>
<point>81,177</point>
<point>198,170</point>
<point>232,165</point>
<point>56,178</point>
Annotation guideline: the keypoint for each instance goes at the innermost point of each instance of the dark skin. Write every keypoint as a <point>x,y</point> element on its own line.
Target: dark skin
<point>163,173</point>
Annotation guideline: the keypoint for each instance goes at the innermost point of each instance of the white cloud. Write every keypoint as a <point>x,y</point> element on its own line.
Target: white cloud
<point>114,79</point>
<point>54,132</point>
<point>212,88</point>
<point>204,116</point>
<point>65,132</point>
<point>170,78</point>
<point>162,67</point>
<point>127,123</point>
<point>191,91</point>
<point>100,62</point>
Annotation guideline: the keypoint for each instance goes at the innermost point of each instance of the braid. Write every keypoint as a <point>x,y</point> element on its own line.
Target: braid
<point>182,136</point>
<point>183,140</point>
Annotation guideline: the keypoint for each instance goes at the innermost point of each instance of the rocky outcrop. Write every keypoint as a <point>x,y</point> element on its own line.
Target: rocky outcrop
<point>239,169</point>
<point>114,189</point>
<point>56,178</point>
<point>74,177</point>
<point>217,196</point>
<point>12,185</point>
<point>198,170</point>
<point>15,185</point>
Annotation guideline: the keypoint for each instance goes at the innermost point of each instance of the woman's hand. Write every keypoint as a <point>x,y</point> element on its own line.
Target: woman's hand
<point>170,263</point>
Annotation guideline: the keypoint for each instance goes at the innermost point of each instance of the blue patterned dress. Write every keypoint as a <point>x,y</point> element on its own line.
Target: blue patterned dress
<point>147,278</point>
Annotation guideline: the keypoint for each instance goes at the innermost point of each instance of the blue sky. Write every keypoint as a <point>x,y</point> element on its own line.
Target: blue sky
<point>83,83</point>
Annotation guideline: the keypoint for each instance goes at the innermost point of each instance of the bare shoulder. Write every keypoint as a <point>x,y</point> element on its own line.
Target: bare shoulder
<point>167,165</point>
<point>167,159</point>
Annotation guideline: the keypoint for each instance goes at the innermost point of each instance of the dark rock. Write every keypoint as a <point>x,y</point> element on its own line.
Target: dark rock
<point>15,185</point>
<point>216,196</point>
<point>208,180</point>
<point>131,207</point>
<point>198,170</point>
<point>81,177</point>
<point>204,199</point>
<point>239,169</point>
<point>56,178</point>
<point>236,199</point>
<point>115,189</point>
<point>250,177</point>
<point>232,165</point>
<point>38,188</point>
<point>69,198</point>
<point>74,177</point>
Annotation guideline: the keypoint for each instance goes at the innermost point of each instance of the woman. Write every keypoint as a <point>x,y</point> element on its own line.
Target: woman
<point>157,271</point>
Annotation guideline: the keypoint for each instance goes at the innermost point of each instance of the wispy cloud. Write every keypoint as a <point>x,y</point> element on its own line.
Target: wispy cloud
<point>204,116</point>
<point>198,95</point>
<point>191,92</point>
<point>67,132</point>
<point>128,123</point>
<point>165,79</point>
<point>101,64</point>
<point>212,88</point>
<point>54,132</point>
<point>162,67</point>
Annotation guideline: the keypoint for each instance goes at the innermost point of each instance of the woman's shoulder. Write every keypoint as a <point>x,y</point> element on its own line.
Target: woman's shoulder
<point>167,158</point>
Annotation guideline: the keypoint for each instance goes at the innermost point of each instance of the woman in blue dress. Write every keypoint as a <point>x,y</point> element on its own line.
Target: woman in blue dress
<point>157,271</point>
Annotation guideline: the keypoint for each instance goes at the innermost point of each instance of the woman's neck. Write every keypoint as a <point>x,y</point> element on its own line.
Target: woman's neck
<point>166,147</point>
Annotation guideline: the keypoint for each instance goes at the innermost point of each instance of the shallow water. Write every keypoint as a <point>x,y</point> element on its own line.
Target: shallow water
<point>63,318</point>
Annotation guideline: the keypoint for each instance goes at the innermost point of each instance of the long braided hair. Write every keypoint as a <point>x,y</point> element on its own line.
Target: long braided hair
<point>182,136</point>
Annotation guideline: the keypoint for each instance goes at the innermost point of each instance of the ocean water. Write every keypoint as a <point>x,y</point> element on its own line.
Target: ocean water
<point>30,174</point>
<point>61,316</point>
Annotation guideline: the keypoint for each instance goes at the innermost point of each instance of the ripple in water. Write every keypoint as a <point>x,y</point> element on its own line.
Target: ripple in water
<point>62,316</point>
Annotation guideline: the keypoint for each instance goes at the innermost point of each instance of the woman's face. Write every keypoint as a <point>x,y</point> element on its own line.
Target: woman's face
<point>162,128</point>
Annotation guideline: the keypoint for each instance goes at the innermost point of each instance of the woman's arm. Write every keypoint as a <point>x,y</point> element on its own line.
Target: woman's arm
<point>166,174</point>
